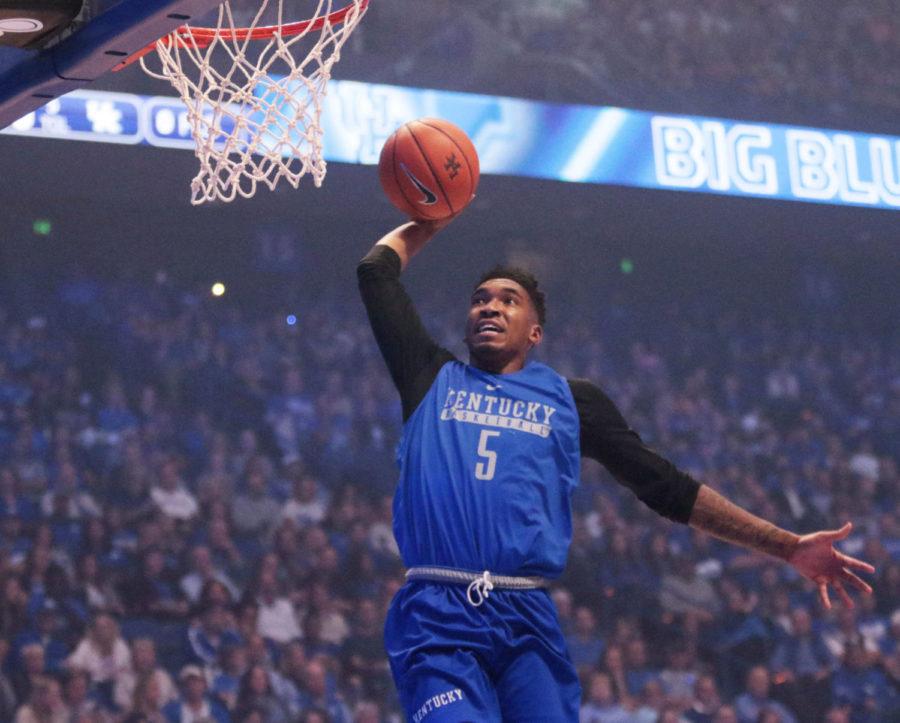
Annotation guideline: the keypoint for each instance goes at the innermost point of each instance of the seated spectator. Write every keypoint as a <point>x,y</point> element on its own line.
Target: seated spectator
<point>683,592</point>
<point>13,502</point>
<point>844,629</point>
<point>601,705</point>
<point>334,627</point>
<point>363,652</point>
<point>253,512</point>
<point>152,593</point>
<point>193,703</point>
<point>202,571</point>
<point>613,665</point>
<point>225,677</point>
<point>147,703</point>
<point>68,499</point>
<point>103,654</point>
<point>256,694</point>
<point>638,671</point>
<point>171,495</point>
<point>313,641</point>
<point>277,619</point>
<point>651,704</point>
<point>31,668</point>
<point>706,701</point>
<point>802,666</point>
<point>755,698</point>
<point>45,704</point>
<point>679,676</point>
<point>143,666</point>
<point>210,631</point>
<point>317,693</point>
<point>307,505</point>
<point>585,644</point>
<point>861,686</point>
<point>48,631</point>
<point>741,636</point>
<point>225,554</point>
<point>94,587</point>
<point>77,695</point>
<point>289,683</point>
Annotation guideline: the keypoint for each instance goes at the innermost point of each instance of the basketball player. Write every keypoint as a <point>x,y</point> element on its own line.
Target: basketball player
<point>489,458</point>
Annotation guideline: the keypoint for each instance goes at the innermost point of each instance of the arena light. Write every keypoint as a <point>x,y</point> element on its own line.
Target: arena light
<point>218,289</point>
<point>42,227</point>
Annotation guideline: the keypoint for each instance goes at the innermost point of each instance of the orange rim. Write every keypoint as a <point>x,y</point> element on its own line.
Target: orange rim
<point>188,37</point>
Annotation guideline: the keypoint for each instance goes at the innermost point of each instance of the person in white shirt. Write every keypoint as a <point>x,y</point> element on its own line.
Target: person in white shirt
<point>277,619</point>
<point>143,660</point>
<point>102,653</point>
<point>171,496</point>
<point>307,506</point>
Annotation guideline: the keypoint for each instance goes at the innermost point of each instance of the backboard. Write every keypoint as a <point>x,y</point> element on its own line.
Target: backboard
<point>98,38</point>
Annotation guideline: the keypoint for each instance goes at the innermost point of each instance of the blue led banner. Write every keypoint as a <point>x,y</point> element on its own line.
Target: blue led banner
<point>527,138</point>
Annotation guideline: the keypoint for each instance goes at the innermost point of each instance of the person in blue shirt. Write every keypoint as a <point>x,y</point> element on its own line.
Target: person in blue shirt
<point>489,457</point>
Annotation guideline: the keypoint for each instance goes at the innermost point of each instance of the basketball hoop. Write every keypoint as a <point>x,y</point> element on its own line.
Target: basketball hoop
<point>254,95</point>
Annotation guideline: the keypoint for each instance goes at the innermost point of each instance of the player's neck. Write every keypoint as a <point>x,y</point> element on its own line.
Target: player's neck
<point>498,365</point>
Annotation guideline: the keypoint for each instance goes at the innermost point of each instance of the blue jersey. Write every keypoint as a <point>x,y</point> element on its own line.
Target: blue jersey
<point>488,464</point>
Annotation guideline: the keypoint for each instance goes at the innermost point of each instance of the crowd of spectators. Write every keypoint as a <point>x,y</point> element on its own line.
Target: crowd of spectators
<point>195,505</point>
<point>807,58</point>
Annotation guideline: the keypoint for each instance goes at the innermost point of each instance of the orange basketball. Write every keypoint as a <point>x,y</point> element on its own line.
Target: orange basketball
<point>429,169</point>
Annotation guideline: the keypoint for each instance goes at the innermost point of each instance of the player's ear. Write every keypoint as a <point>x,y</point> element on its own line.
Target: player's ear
<point>536,335</point>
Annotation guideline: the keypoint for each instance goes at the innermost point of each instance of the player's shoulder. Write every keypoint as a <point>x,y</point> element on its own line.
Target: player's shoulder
<point>586,390</point>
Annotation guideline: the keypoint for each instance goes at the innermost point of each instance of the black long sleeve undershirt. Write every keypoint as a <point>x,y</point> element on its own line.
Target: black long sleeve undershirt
<point>414,359</point>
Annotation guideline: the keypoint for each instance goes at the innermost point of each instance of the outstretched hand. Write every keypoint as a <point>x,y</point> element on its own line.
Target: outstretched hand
<point>816,558</point>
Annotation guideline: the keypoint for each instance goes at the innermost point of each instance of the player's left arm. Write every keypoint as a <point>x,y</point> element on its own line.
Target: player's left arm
<point>814,555</point>
<point>606,437</point>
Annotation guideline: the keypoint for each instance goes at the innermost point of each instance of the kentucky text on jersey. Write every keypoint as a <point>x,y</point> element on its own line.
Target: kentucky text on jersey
<point>487,468</point>
<point>496,411</point>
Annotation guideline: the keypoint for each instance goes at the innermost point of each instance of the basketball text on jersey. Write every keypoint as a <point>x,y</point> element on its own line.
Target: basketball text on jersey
<point>498,411</point>
<point>437,701</point>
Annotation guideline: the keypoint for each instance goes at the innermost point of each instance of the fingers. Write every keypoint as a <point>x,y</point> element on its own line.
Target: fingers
<point>838,534</point>
<point>845,598</point>
<point>858,583</point>
<point>823,595</point>
<point>848,561</point>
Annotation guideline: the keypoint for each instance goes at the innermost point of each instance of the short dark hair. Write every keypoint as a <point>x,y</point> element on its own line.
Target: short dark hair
<point>523,278</point>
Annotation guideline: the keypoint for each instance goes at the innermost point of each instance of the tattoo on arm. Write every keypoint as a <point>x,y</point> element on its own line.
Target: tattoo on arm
<point>717,516</point>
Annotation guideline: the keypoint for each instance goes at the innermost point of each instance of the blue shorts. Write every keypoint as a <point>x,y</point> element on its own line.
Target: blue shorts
<point>505,660</point>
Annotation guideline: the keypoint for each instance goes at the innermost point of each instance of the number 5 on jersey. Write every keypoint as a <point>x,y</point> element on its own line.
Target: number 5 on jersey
<point>485,470</point>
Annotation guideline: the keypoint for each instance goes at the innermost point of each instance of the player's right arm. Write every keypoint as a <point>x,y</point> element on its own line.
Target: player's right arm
<point>413,358</point>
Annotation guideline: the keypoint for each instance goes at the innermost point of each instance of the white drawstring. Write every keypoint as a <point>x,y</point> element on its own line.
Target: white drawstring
<point>480,586</point>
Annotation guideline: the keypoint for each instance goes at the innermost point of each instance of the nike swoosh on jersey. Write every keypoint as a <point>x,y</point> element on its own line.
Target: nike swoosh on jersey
<point>429,197</point>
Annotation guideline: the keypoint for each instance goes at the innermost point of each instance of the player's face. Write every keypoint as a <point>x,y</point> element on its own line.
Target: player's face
<point>502,326</point>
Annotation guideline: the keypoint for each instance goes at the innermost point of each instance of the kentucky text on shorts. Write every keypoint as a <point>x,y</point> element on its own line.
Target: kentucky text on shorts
<point>436,701</point>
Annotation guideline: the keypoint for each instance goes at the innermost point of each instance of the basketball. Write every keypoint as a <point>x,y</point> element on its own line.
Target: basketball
<point>429,169</point>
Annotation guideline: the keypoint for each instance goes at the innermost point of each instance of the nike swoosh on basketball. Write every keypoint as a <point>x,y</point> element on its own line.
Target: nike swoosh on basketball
<point>429,197</point>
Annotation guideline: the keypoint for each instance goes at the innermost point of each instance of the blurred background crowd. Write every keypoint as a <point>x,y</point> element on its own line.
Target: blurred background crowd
<point>195,492</point>
<point>831,62</point>
<point>196,519</point>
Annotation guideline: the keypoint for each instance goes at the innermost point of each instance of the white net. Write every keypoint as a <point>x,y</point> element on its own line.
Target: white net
<point>254,94</point>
